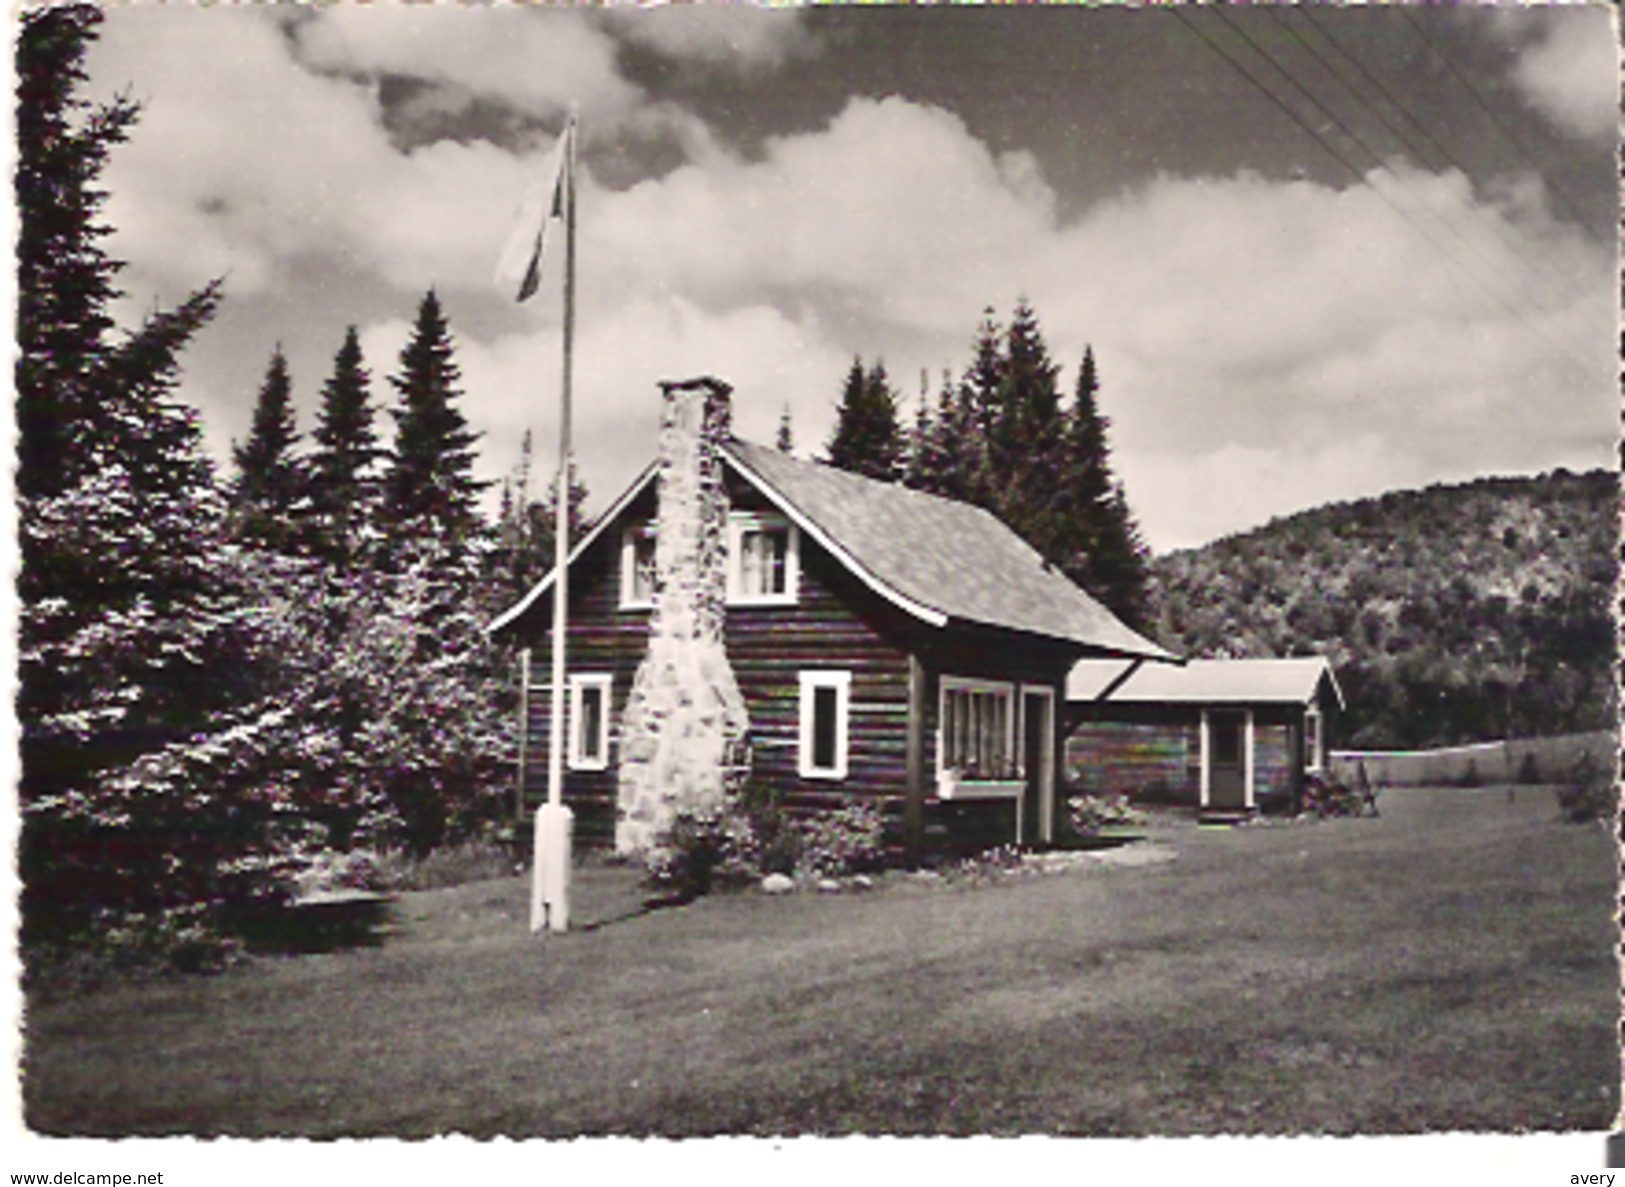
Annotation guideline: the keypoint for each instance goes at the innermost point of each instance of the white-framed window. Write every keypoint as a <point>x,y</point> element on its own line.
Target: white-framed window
<point>976,729</point>
<point>826,698</point>
<point>638,567</point>
<point>1314,757</point>
<point>589,720</point>
<point>763,560</point>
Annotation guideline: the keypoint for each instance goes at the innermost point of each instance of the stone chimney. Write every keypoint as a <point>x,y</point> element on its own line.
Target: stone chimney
<point>684,734</point>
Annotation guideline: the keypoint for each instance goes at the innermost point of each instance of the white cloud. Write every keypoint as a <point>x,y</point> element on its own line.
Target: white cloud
<point>537,59</point>
<point>741,36</point>
<point>894,208</point>
<point>513,383</point>
<point>1262,345</point>
<point>1182,499</point>
<point>1571,71</point>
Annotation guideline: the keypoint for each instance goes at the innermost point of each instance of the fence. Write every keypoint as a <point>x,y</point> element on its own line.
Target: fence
<point>1516,760</point>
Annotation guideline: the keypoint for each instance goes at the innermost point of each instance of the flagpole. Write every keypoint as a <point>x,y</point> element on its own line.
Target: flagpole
<point>553,823</point>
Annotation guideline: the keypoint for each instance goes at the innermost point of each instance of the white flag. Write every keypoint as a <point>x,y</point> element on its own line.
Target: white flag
<point>519,268</point>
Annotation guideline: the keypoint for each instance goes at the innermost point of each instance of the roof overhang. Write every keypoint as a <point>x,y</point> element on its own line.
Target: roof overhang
<point>517,611</point>
<point>807,527</point>
<point>915,608</point>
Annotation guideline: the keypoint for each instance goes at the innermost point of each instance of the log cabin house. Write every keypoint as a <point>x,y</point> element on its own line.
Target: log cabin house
<point>888,644</point>
<point>1226,736</point>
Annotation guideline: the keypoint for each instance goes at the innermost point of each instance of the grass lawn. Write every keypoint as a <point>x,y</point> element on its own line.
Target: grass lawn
<point>1447,966</point>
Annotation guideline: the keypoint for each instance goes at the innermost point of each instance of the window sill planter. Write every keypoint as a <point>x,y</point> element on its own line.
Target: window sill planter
<point>952,787</point>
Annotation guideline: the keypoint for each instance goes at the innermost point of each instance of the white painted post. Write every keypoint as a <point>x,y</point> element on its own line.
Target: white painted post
<point>1207,758</point>
<point>1247,741</point>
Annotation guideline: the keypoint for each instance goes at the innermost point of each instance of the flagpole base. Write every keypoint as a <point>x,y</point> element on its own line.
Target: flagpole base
<point>550,869</point>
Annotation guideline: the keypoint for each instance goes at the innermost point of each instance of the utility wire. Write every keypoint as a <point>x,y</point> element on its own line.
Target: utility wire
<point>1506,133</point>
<point>1355,171</point>
<point>1519,246</point>
<point>1494,271</point>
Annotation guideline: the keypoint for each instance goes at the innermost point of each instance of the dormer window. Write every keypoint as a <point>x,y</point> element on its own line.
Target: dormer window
<point>638,567</point>
<point>763,560</point>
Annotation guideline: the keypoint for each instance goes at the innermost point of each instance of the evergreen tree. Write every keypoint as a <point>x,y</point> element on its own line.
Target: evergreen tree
<point>544,517</point>
<point>341,466</point>
<point>268,495</point>
<point>430,490</point>
<point>945,458</point>
<point>1100,545</point>
<point>867,439</point>
<point>64,279</point>
<point>138,652</point>
<point>527,527</point>
<point>1024,440</point>
<point>982,390</point>
<point>1002,441</point>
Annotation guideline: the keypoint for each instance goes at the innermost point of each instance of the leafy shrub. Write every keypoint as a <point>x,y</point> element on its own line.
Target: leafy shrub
<point>849,840</point>
<point>702,851</point>
<point>778,838</point>
<point>1590,792</point>
<point>988,865</point>
<point>127,946</point>
<point>1336,799</point>
<point>756,837</point>
<point>328,871</point>
<point>1086,815</point>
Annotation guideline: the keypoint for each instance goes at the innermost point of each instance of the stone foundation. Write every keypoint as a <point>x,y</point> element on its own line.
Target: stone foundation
<point>684,736</point>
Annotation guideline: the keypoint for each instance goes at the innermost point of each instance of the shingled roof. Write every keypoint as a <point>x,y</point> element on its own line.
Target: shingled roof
<point>1202,681</point>
<point>941,560</point>
<point>956,561</point>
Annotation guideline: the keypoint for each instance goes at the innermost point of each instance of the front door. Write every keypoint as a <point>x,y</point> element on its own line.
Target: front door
<point>1037,762</point>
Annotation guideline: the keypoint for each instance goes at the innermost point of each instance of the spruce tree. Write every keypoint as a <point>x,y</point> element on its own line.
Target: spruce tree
<point>867,439</point>
<point>268,494</point>
<point>1024,441</point>
<point>982,390</point>
<point>1101,548</point>
<point>65,281</point>
<point>430,491</point>
<point>138,651</point>
<point>527,527</point>
<point>944,458</point>
<point>342,484</point>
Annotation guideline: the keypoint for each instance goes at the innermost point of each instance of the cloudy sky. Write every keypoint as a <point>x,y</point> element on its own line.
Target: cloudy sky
<point>1318,253</point>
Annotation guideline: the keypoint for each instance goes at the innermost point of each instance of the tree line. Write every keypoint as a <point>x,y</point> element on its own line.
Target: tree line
<point>221,681</point>
<point>1001,437</point>
<point>1460,613</point>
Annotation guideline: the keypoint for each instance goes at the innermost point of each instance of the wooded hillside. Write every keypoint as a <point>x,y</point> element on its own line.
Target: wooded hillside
<point>1452,614</point>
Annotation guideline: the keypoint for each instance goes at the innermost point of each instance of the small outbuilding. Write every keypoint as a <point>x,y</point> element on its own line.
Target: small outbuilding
<point>1221,735</point>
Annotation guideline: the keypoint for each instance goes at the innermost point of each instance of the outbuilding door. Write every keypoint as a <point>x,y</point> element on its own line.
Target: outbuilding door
<point>1227,759</point>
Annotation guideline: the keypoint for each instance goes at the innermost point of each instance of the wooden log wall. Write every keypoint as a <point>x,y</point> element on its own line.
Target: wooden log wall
<point>1131,758</point>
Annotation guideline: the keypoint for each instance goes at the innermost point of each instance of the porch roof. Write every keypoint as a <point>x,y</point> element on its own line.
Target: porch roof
<point>1295,681</point>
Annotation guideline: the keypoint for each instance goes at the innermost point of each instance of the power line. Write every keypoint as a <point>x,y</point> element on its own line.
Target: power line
<point>1506,133</point>
<point>1354,170</point>
<point>1520,248</point>
<point>1376,157</point>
